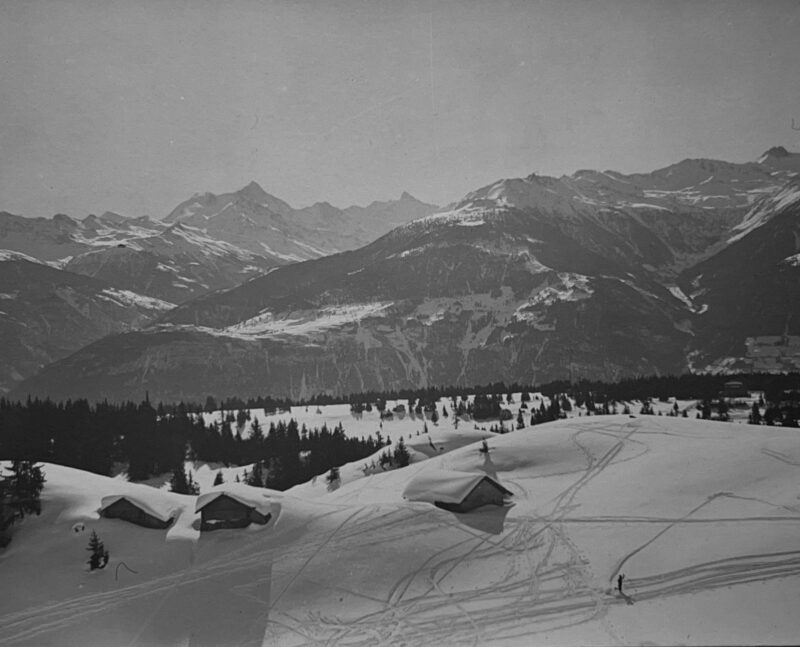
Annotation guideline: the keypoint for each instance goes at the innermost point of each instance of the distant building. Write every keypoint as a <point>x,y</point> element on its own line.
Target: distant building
<point>734,389</point>
<point>136,510</point>
<point>226,509</point>
<point>456,491</point>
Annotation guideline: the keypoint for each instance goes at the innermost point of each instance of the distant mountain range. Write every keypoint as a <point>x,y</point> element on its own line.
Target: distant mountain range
<point>254,220</point>
<point>599,274</point>
<point>205,244</point>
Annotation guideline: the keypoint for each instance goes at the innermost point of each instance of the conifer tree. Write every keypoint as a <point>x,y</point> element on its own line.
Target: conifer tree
<point>401,455</point>
<point>24,486</point>
<point>755,415</point>
<point>256,476</point>
<point>99,555</point>
<point>218,480</point>
<point>194,488</point>
<point>722,409</point>
<point>182,482</point>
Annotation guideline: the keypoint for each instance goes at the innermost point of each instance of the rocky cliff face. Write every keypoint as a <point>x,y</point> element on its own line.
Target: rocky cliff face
<point>595,275</point>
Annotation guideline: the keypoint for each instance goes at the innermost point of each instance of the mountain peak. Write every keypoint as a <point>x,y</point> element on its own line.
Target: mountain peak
<point>776,151</point>
<point>323,205</point>
<point>253,191</point>
<point>405,195</point>
<point>779,158</point>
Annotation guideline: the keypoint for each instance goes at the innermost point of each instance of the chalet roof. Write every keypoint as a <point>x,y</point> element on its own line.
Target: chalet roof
<point>161,510</point>
<point>251,497</point>
<point>445,486</point>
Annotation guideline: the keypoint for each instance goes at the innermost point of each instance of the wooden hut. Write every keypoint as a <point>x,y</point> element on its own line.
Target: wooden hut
<point>227,509</point>
<point>136,510</point>
<point>456,491</point>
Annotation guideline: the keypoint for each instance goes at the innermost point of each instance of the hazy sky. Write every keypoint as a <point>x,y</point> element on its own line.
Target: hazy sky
<point>133,106</point>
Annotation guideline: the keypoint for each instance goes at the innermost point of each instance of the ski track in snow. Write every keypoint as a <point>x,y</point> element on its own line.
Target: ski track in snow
<point>564,591</point>
<point>546,583</point>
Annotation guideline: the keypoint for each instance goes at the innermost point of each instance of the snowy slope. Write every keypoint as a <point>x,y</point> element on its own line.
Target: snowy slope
<point>48,313</point>
<point>176,264</point>
<point>60,238</point>
<point>701,517</point>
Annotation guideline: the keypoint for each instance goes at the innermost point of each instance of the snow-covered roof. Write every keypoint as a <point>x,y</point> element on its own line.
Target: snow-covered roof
<point>445,486</point>
<point>161,510</point>
<point>252,497</point>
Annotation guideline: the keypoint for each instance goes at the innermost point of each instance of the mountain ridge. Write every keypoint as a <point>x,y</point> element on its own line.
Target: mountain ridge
<point>524,279</point>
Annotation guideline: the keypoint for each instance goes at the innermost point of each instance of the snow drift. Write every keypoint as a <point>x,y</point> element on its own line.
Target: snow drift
<point>702,518</point>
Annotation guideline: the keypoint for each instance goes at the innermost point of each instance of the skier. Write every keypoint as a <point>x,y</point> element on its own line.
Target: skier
<point>619,583</point>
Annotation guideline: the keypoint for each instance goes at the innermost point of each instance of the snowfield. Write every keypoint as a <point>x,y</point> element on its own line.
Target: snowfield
<point>304,322</point>
<point>126,298</point>
<point>701,517</point>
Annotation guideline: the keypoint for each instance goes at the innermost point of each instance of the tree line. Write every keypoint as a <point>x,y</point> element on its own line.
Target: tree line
<point>701,386</point>
<point>96,437</point>
<point>157,440</point>
<point>698,386</point>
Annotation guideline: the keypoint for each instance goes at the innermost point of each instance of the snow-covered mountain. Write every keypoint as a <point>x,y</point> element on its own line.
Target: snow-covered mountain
<point>60,238</point>
<point>700,517</point>
<point>173,263</point>
<point>176,264</point>
<point>207,243</point>
<point>253,219</point>
<point>530,279</point>
<point>47,313</point>
<point>748,295</point>
<point>190,254</point>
